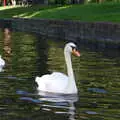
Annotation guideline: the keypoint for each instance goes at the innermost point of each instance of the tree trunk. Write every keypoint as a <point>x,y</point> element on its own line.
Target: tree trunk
<point>4,3</point>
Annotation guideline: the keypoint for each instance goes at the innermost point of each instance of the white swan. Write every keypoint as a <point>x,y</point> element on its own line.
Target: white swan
<point>2,63</point>
<point>58,82</point>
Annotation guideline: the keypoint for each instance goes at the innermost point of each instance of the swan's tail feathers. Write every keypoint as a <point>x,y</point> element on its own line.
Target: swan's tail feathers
<point>37,79</point>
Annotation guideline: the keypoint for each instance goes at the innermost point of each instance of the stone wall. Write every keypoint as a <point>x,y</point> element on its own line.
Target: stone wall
<point>67,29</point>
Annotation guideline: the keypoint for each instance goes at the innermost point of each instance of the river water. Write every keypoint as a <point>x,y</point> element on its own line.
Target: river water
<point>97,74</point>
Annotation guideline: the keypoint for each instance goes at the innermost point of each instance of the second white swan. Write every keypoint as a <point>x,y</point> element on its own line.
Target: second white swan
<point>58,82</point>
<point>2,63</point>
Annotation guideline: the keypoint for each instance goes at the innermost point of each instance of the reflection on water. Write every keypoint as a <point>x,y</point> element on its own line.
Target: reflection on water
<point>27,56</point>
<point>56,103</point>
<point>59,104</point>
<point>7,41</point>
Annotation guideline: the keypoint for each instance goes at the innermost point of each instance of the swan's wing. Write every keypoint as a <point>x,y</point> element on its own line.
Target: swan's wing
<point>42,81</point>
<point>59,75</point>
<point>56,82</point>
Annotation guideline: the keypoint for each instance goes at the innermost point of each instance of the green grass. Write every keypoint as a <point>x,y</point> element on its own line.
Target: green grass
<point>109,12</point>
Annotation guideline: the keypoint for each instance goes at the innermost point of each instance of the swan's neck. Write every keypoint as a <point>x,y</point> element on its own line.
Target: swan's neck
<point>71,83</point>
<point>69,65</point>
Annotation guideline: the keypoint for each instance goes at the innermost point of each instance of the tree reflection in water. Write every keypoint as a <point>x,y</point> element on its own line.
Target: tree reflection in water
<point>7,41</point>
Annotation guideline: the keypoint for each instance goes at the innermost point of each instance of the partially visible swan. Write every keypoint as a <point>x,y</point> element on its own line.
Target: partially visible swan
<point>58,82</point>
<point>2,63</point>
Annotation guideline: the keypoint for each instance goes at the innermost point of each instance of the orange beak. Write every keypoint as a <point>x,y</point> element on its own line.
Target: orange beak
<point>76,52</point>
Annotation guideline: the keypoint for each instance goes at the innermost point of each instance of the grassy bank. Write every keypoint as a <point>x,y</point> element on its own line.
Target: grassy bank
<point>109,12</point>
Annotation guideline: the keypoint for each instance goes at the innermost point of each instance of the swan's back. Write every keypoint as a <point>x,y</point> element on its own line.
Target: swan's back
<point>55,82</point>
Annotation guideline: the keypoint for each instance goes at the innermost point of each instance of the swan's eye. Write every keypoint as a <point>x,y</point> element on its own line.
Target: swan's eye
<point>74,48</point>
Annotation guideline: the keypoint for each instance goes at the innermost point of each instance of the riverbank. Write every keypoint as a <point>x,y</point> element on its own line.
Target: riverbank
<point>106,12</point>
<point>66,29</point>
<point>53,21</point>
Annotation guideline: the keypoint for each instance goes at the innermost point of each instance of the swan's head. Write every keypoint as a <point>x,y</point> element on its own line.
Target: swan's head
<point>72,48</point>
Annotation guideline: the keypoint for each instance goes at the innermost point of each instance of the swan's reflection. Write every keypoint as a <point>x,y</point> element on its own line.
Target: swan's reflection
<point>59,103</point>
<point>51,102</point>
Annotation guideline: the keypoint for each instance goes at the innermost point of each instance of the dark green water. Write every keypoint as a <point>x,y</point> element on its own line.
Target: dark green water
<point>97,74</point>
